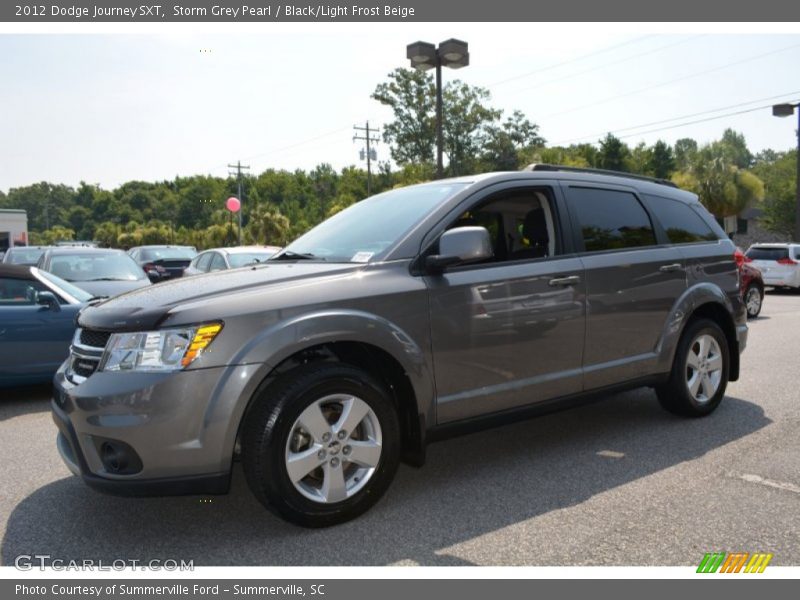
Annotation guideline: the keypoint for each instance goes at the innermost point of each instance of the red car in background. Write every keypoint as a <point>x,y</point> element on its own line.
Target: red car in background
<point>751,284</point>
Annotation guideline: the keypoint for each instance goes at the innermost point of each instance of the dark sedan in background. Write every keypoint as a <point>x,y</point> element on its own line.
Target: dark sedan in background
<point>102,272</point>
<point>163,262</point>
<point>37,323</point>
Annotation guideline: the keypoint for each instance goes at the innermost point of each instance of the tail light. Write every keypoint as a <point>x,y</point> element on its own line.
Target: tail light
<point>151,267</point>
<point>739,257</point>
<point>786,261</point>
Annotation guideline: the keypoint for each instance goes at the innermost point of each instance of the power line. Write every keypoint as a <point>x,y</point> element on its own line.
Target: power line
<point>608,64</point>
<point>570,61</point>
<point>740,112</point>
<point>697,114</point>
<point>671,81</point>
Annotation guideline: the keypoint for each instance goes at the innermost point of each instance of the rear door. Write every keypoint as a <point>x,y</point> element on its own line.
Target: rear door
<point>508,332</point>
<point>633,279</point>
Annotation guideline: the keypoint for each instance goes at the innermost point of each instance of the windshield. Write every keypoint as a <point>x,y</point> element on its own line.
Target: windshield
<point>767,253</point>
<point>168,253</point>
<point>368,228</point>
<point>24,256</point>
<point>246,258</point>
<point>99,266</point>
<point>76,292</point>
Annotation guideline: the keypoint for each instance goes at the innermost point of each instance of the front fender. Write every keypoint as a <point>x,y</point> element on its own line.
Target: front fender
<point>271,346</point>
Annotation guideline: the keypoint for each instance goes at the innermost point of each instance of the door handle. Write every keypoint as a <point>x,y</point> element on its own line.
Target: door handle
<point>571,280</point>
<point>671,268</point>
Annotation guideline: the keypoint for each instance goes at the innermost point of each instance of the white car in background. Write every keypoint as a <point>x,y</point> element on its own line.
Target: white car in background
<point>779,263</point>
<point>222,259</point>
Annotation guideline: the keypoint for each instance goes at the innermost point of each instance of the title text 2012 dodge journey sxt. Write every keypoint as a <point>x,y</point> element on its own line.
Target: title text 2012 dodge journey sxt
<point>403,317</point>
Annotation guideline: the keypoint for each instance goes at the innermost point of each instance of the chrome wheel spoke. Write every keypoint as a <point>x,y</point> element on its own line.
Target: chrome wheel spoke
<point>300,464</point>
<point>366,454</point>
<point>715,363</point>
<point>314,422</point>
<point>353,412</point>
<point>693,360</point>
<point>694,383</point>
<point>703,347</point>
<point>334,487</point>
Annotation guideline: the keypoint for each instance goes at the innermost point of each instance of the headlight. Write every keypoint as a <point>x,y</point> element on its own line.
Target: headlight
<point>162,350</point>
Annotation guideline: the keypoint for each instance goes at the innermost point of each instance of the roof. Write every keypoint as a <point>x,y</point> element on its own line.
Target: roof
<point>14,210</point>
<point>15,271</point>
<point>82,250</point>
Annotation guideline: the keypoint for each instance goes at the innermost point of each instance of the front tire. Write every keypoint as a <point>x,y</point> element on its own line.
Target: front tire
<point>699,375</point>
<point>321,444</point>
<point>753,300</point>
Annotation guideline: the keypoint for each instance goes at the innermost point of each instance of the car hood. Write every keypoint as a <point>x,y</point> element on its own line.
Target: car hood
<point>148,307</point>
<point>110,288</point>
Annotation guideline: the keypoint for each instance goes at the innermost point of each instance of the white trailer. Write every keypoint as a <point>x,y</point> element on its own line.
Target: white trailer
<point>13,228</point>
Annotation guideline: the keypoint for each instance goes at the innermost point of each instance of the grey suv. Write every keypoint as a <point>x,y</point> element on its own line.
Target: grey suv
<point>409,316</point>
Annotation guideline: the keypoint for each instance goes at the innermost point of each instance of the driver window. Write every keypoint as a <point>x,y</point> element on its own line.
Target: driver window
<point>521,224</point>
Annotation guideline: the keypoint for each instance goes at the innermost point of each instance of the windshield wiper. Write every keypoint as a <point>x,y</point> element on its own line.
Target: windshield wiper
<point>105,279</point>
<point>289,255</point>
<point>93,298</point>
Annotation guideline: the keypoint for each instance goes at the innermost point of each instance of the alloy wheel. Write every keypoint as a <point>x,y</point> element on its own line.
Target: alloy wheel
<point>704,368</point>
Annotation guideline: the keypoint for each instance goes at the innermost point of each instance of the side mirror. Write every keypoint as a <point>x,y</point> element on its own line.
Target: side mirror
<point>49,300</point>
<point>460,245</point>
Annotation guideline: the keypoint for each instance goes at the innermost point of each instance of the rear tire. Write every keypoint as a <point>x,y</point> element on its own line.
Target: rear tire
<point>753,300</point>
<point>699,375</point>
<point>321,444</point>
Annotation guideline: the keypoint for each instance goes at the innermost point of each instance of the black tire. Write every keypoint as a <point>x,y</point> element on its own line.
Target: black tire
<point>675,396</point>
<point>269,424</point>
<point>753,289</point>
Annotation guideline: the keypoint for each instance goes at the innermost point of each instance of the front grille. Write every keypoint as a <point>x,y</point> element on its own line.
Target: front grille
<point>83,366</point>
<point>95,339</point>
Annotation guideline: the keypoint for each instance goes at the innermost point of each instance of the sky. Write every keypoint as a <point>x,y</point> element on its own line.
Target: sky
<point>109,108</point>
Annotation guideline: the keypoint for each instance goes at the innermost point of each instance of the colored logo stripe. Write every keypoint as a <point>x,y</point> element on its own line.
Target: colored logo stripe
<point>734,562</point>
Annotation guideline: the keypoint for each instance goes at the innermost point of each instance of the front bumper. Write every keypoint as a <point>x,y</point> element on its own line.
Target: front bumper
<point>180,427</point>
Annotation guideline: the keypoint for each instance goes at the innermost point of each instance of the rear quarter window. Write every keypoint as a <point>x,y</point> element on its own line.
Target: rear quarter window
<point>681,224</point>
<point>610,219</point>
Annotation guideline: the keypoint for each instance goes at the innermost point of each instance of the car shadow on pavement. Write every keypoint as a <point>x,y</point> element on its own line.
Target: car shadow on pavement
<point>470,486</point>
<point>19,401</point>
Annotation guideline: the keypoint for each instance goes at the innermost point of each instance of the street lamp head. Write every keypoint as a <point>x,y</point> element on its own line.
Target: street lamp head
<point>454,53</point>
<point>422,55</point>
<point>783,110</point>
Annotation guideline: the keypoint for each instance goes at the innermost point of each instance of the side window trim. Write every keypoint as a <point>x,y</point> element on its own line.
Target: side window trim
<point>577,233</point>
<point>558,210</point>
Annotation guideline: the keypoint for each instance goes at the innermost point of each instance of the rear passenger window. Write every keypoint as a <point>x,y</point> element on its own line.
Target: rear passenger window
<point>681,224</point>
<point>610,219</point>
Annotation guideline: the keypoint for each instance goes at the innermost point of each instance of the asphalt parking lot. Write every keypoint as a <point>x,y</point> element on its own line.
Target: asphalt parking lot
<point>618,482</point>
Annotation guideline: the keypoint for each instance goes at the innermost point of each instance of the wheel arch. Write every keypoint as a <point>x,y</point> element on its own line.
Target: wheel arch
<point>355,338</point>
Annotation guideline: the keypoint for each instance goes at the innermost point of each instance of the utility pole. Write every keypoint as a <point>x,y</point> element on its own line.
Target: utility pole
<point>367,137</point>
<point>239,166</point>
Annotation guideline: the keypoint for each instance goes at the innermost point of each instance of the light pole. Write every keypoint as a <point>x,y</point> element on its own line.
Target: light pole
<point>424,56</point>
<point>787,110</point>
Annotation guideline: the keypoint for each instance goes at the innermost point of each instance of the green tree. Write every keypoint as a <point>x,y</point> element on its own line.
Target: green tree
<point>613,153</point>
<point>506,147</point>
<point>268,227</point>
<point>778,171</point>
<point>685,152</point>
<point>412,134</point>
<point>662,162</point>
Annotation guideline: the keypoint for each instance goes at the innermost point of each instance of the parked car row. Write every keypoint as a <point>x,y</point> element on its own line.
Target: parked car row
<point>43,287</point>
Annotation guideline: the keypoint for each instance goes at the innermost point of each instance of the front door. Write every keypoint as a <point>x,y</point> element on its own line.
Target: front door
<point>508,332</point>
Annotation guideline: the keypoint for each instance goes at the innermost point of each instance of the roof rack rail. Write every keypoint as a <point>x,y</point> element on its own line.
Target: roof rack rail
<point>549,167</point>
